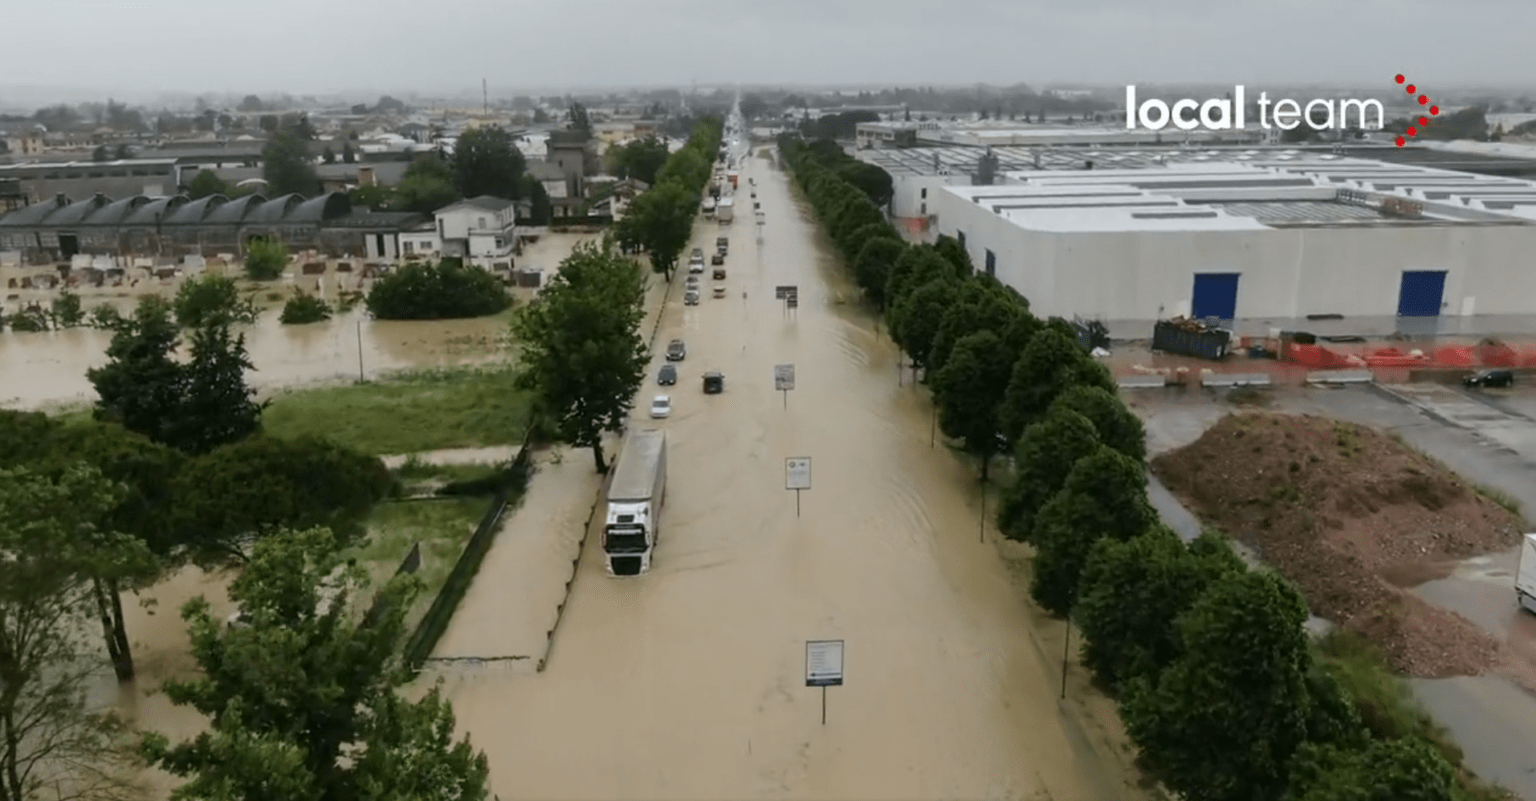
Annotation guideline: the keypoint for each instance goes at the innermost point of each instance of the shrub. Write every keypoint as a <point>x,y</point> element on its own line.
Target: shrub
<point>265,259</point>
<point>67,312</point>
<point>105,316</point>
<point>444,291</point>
<point>209,299</point>
<point>305,308</point>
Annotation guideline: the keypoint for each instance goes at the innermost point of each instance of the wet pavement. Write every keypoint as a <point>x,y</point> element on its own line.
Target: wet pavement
<point>688,682</point>
<point>1485,438</point>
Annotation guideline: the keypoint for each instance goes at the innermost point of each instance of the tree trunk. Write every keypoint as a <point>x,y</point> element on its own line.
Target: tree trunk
<point>986,464</point>
<point>122,661</point>
<point>597,456</point>
<point>120,626</point>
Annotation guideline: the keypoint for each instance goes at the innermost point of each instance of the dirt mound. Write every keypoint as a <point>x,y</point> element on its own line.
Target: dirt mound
<point>1344,510</point>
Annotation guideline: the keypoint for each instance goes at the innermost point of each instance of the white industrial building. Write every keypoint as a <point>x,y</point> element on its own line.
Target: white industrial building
<point>1261,240</point>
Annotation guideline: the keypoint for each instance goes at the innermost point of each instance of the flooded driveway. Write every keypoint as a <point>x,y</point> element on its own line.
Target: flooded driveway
<point>689,682</point>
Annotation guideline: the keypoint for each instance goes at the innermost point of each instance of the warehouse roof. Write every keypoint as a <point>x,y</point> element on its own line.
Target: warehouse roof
<point>1258,194</point>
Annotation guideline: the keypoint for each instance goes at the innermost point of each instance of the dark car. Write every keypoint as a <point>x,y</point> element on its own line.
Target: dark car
<point>676,351</point>
<point>668,375</point>
<point>717,259</point>
<point>691,298</point>
<point>1490,378</point>
<point>714,383</point>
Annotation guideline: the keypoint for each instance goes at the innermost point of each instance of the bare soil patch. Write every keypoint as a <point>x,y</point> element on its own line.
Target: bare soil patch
<point>1351,516</point>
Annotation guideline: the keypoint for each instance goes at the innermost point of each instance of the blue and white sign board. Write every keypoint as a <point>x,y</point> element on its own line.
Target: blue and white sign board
<point>824,663</point>
<point>797,473</point>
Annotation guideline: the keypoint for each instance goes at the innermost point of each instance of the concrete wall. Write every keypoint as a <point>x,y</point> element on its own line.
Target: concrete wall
<point>1286,273</point>
<point>908,198</point>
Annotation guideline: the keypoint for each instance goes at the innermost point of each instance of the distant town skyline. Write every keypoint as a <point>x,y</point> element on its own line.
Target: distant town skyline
<point>343,46</point>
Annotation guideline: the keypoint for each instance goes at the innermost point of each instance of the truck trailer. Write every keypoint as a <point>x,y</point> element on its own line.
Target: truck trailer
<point>634,502</point>
<point>1525,575</point>
<point>724,210</point>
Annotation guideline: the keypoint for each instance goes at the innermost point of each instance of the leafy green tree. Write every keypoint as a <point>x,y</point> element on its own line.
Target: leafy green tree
<point>660,220</point>
<point>688,168</point>
<point>541,209</point>
<point>328,155</point>
<point>304,308</point>
<point>444,291</point>
<point>374,197</point>
<point>982,305</point>
<point>916,322</point>
<point>66,310</point>
<point>1104,496</point>
<point>1222,722</point>
<point>916,266</point>
<point>286,165</point>
<point>1042,459</point>
<point>1133,591</point>
<point>1117,426</point>
<point>949,247</point>
<point>426,186</point>
<point>238,493</point>
<point>141,385</point>
<point>872,265</point>
<point>204,184</point>
<point>51,538</point>
<point>968,391</point>
<point>304,703</point>
<point>1051,364</point>
<point>487,162</point>
<point>348,155</point>
<point>640,159</point>
<point>217,406</point>
<point>211,298</point>
<point>580,345</point>
<point>579,121</point>
<point>870,179</point>
<point>1404,769</point>
<point>265,259</point>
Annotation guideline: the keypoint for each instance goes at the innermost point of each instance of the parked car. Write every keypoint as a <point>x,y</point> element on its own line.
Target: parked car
<point>698,253</point>
<point>661,406</point>
<point>1490,378</point>
<point>714,383</point>
<point>676,351</point>
<point>696,266</point>
<point>691,297</point>
<point>667,376</point>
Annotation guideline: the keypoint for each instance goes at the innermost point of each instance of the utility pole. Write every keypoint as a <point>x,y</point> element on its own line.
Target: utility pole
<point>485,98</point>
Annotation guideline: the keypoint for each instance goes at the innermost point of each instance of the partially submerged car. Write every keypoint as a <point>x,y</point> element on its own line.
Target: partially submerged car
<point>677,350</point>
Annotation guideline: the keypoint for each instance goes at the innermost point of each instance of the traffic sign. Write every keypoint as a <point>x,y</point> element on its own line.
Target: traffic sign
<point>797,473</point>
<point>793,301</point>
<point>782,291</point>
<point>783,377</point>
<point>824,663</point>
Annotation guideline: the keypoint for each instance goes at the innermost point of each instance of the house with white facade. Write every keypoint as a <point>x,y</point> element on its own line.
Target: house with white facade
<point>481,230</point>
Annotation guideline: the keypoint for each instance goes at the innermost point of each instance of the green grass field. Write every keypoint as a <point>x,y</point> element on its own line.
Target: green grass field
<point>442,527</point>
<point>410,411</point>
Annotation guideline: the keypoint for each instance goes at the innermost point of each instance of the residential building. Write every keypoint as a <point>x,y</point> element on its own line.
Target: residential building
<point>479,230</point>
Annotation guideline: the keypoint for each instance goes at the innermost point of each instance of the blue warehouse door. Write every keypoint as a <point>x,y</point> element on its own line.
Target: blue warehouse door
<point>1421,294</point>
<point>1215,296</point>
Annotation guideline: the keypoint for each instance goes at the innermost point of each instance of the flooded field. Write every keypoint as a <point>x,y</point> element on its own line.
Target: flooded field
<point>688,682</point>
<point>55,362</point>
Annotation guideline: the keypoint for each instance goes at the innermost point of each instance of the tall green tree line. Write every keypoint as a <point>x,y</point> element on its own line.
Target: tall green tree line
<point>1216,680</point>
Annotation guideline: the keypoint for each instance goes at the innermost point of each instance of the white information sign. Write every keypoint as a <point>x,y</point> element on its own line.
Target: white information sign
<point>797,473</point>
<point>824,663</point>
<point>783,377</point>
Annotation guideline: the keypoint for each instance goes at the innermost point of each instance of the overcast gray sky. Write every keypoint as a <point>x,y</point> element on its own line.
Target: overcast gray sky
<point>307,46</point>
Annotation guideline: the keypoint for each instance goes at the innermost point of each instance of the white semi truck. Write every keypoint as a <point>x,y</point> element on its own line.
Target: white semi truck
<point>1525,575</point>
<point>634,502</point>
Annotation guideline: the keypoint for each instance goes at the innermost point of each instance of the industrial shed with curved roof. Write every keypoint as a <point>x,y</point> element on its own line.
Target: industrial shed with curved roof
<point>235,211</point>
<point>195,211</point>
<point>157,210</point>
<point>273,211</point>
<point>329,206</point>
<point>35,213</point>
<point>116,211</point>
<point>76,212</point>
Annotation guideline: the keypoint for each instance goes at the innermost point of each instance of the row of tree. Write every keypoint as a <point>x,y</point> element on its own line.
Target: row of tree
<point>1213,671</point>
<point>660,220</point>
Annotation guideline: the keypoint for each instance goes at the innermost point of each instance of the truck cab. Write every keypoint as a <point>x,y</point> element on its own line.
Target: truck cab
<point>635,500</point>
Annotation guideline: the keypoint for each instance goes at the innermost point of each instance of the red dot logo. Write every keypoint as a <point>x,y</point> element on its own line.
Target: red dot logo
<point>1413,131</point>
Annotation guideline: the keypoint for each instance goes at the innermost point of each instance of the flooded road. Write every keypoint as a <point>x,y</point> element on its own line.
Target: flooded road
<point>55,362</point>
<point>688,682</point>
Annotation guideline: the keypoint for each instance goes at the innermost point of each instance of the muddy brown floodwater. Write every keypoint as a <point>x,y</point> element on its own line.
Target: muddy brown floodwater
<point>688,682</point>
<point>54,362</point>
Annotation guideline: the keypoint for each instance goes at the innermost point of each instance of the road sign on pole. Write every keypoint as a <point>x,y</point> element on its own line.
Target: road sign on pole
<point>784,380</point>
<point>782,291</point>
<point>824,668</point>
<point>797,477</point>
